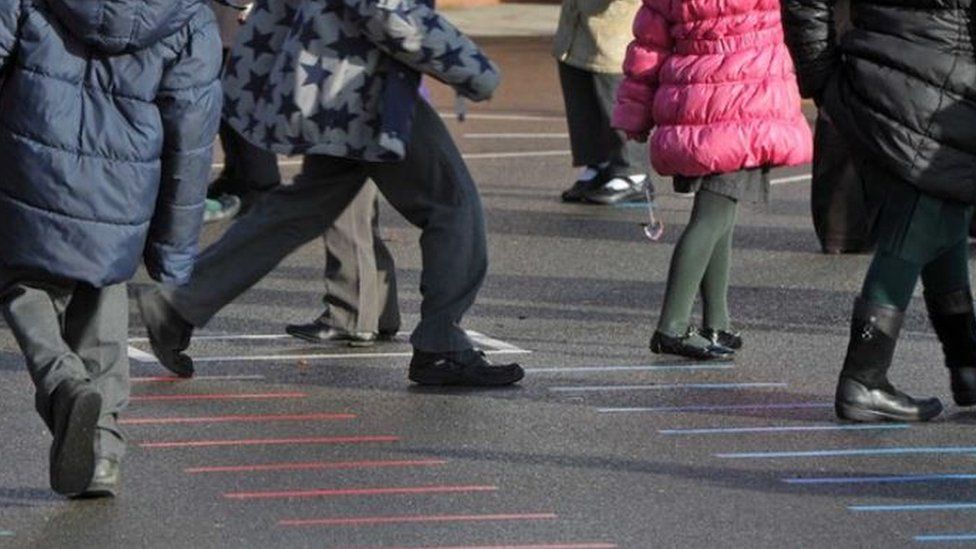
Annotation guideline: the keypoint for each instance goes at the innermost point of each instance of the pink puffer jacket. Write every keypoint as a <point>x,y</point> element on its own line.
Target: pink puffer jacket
<point>717,81</point>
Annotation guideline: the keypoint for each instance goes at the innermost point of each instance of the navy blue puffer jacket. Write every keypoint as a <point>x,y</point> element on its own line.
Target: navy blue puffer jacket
<point>108,111</point>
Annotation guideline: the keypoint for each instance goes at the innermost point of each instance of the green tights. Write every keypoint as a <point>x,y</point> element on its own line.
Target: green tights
<point>701,262</point>
<point>919,236</point>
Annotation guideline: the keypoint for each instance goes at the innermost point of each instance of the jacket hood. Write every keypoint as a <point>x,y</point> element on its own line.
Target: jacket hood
<point>114,26</point>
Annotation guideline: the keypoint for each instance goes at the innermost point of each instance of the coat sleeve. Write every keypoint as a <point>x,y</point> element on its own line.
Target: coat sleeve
<point>646,54</point>
<point>189,102</point>
<point>419,37</point>
<point>811,37</point>
<point>10,13</point>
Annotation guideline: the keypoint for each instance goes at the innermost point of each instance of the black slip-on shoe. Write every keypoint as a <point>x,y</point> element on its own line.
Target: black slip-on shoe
<point>105,481</point>
<point>317,332</point>
<point>75,408</point>
<point>856,402</point>
<point>731,340</point>
<point>608,193</point>
<point>578,191</point>
<point>662,343</point>
<point>467,368</point>
<point>169,334</point>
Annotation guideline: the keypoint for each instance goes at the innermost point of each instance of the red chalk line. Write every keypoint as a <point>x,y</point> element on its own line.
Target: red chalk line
<point>312,465</point>
<point>359,521</point>
<point>253,418</point>
<point>269,441</point>
<point>217,396</point>
<point>338,492</point>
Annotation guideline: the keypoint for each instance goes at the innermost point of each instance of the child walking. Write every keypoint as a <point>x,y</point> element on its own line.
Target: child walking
<point>108,109</point>
<point>717,82</point>
<point>899,88</point>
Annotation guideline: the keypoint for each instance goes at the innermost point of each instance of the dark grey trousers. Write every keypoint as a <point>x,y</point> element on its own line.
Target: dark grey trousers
<point>431,188</point>
<point>589,98</point>
<point>71,330</point>
<point>360,276</point>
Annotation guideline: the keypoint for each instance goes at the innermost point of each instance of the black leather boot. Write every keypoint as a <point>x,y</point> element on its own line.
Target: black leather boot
<point>864,392</point>
<point>954,322</point>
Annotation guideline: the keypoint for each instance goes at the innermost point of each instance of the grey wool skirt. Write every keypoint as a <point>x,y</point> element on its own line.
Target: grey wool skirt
<point>750,184</point>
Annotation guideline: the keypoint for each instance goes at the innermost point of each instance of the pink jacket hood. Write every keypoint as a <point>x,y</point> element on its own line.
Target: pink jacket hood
<point>715,79</point>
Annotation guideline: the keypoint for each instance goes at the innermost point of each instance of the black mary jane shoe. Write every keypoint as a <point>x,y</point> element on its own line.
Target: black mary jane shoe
<point>662,343</point>
<point>856,402</point>
<point>731,340</point>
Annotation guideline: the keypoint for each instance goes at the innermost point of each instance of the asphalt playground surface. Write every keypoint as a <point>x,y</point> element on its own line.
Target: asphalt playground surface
<point>278,443</point>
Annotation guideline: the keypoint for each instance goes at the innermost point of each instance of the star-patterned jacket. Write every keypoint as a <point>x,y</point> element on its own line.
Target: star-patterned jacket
<point>339,77</point>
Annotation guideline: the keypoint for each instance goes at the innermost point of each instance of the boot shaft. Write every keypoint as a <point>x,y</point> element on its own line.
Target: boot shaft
<point>874,334</point>
<point>954,323</point>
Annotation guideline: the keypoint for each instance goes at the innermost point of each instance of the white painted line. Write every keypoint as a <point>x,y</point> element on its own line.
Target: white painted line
<point>790,179</point>
<point>223,337</point>
<point>662,387</point>
<point>141,356</point>
<point>522,154</point>
<point>161,379</point>
<point>516,136</point>
<point>469,156</point>
<point>783,429</point>
<point>323,356</point>
<point>496,344</point>
<point>506,116</point>
<point>652,368</point>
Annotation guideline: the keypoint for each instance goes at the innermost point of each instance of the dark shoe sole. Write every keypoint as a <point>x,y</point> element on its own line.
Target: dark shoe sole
<point>658,349</point>
<point>964,399</point>
<point>443,379</point>
<point>73,450</point>
<point>853,412</point>
<point>174,361</point>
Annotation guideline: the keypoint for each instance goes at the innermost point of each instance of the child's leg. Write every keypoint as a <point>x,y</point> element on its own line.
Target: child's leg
<point>715,283</point>
<point>96,327</point>
<point>34,313</point>
<point>711,218</point>
<point>626,157</point>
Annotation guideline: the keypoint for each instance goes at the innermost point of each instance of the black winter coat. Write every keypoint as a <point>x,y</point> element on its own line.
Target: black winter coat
<point>900,84</point>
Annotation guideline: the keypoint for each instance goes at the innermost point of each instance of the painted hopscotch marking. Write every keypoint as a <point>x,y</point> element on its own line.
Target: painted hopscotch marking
<point>946,537</point>
<point>6,534</point>
<point>342,492</point>
<point>663,387</point>
<point>720,407</point>
<point>506,116</point>
<point>648,368</point>
<point>466,156</point>
<point>174,379</point>
<point>314,465</point>
<point>779,429</point>
<point>361,521</point>
<point>854,452</point>
<point>516,136</point>
<point>496,347</point>
<point>918,507</point>
<point>895,479</point>
<point>235,418</point>
<point>269,441</point>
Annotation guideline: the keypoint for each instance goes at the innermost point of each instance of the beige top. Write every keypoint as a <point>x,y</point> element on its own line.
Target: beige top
<point>594,34</point>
